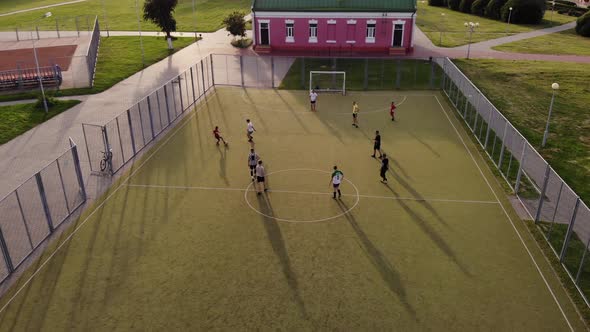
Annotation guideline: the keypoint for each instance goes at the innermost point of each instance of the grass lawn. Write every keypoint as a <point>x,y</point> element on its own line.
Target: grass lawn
<point>118,59</point>
<point>431,21</point>
<point>17,119</point>
<point>382,74</point>
<point>521,90</point>
<point>565,42</point>
<point>7,6</point>
<point>121,14</point>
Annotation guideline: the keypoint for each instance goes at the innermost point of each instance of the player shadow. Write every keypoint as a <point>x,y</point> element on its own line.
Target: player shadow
<point>277,243</point>
<point>292,112</point>
<point>256,109</point>
<point>434,237</point>
<point>222,148</point>
<point>425,144</point>
<point>399,167</point>
<point>388,274</point>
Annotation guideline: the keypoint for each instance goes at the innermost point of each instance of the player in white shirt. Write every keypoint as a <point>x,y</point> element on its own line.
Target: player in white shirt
<point>313,96</point>
<point>260,174</point>
<point>253,159</point>
<point>337,177</point>
<point>250,130</point>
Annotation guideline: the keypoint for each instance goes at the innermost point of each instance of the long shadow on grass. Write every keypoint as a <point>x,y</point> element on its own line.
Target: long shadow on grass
<point>222,163</point>
<point>379,261</point>
<point>437,239</point>
<point>256,109</point>
<point>277,242</point>
<point>430,148</point>
<point>292,112</point>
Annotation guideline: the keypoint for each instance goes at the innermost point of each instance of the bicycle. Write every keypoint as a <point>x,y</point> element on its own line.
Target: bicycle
<point>107,161</point>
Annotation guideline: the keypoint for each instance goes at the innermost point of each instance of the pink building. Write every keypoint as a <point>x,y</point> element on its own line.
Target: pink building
<point>377,26</point>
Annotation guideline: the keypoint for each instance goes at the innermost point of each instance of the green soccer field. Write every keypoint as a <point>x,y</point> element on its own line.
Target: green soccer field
<point>182,242</point>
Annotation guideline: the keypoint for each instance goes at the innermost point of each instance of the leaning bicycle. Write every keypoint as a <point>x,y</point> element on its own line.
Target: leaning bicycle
<point>106,163</point>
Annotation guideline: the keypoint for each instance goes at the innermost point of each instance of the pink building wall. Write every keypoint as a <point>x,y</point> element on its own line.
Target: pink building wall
<point>383,33</point>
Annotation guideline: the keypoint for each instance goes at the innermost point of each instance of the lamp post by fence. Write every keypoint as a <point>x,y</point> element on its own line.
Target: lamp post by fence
<point>441,30</point>
<point>140,40</point>
<point>555,87</point>
<point>104,14</point>
<point>509,16</point>
<point>552,9</point>
<point>470,28</point>
<point>48,14</point>
<point>195,19</point>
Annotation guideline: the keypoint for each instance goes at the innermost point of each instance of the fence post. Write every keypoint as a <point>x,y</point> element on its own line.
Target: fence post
<point>151,117</point>
<point>521,162</point>
<point>465,108</point>
<point>193,84</point>
<point>503,147</point>
<point>431,81</point>
<point>570,229</point>
<point>303,74</point>
<point>180,94</point>
<point>272,71</point>
<point>120,140</point>
<point>87,24</point>
<point>77,25</point>
<point>366,79</point>
<point>242,69</point>
<point>131,131</point>
<point>17,37</point>
<point>545,181</point>
<point>485,144</point>
<point>44,201</point>
<point>37,30</point>
<point>167,104</point>
<point>212,72</point>
<point>203,75</point>
<point>78,171</point>
<point>22,214</point>
<point>5,253</point>
<point>63,187</point>
<point>57,28</point>
<point>582,262</point>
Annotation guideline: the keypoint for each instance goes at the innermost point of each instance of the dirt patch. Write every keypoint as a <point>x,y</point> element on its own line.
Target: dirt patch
<point>48,56</point>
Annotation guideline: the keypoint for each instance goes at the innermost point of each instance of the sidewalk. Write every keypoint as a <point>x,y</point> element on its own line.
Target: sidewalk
<point>28,153</point>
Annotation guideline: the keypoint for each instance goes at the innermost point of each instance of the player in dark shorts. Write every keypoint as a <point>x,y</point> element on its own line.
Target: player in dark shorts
<point>253,159</point>
<point>260,174</point>
<point>377,145</point>
<point>218,136</point>
<point>384,168</point>
<point>336,180</point>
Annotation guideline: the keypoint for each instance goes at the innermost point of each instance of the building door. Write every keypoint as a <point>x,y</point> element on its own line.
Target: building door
<point>264,34</point>
<point>398,35</point>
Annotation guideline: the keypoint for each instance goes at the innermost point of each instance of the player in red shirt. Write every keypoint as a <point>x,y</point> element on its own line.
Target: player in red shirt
<point>218,136</point>
<point>392,111</point>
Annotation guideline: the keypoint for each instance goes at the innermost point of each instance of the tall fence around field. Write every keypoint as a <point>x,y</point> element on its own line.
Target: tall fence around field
<point>128,133</point>
<point>558,211</point>
<point>33,211</point>
<point>56,27</point>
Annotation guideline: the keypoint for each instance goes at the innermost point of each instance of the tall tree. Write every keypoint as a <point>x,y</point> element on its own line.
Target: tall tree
<point>235,24</point>
<point>160,12</point>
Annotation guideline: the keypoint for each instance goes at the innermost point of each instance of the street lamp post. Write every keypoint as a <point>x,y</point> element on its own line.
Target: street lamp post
<point>441,31</point>
<point>552,9</point>
<point>48,14</point>
<point>509,16</point>
<point>195,19</point>
<point>470,28</point>
<point>555,87</point>
<point>140,40</point>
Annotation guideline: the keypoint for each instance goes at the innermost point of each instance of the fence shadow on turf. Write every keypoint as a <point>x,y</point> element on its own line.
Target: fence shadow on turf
<point>389,275</point>
<point>277,242</point>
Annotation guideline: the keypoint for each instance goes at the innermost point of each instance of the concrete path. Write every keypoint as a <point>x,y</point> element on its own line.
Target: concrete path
<point>42,7</point>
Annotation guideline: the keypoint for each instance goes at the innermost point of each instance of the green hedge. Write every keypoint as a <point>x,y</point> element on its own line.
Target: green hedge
<point>523,11</point>
<point>583,25</point>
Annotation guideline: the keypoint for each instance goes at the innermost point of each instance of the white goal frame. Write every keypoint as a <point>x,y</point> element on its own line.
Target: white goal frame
<point>343,90</point>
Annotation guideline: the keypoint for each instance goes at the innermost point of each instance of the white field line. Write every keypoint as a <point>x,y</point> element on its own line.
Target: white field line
<point>507,216</point>
<point>315,193</point>
<point>42,7</point>
<point>98,207</point>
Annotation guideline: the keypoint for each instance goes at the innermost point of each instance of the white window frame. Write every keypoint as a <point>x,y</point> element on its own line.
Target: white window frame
<point>313,39</point>
<point>260,31</point>
<point>368,38</point>
<point>289,38</point>
<point>331,41</point>
<point>403,24</point>
<point>350,22</point>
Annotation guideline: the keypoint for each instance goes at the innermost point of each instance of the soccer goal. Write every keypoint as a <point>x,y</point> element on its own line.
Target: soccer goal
<point>328,81</point>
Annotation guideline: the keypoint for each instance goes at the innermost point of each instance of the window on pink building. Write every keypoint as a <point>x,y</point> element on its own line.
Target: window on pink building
<point>350,32</point>
<point>331,31</point>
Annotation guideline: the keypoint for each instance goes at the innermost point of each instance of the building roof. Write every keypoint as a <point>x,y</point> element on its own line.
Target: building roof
<point>335,5</point>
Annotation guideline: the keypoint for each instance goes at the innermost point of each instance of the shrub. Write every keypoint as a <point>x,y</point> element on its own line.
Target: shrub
<point>437,3</point>
<point>478,7</point>
<point>454,4</point>
<point>583,25</point>
<point>493,9</point>
<point>49,99</point>
<point>465,6</point>
<point>524,11</point>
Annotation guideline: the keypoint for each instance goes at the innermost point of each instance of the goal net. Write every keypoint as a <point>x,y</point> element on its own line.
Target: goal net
<point>328,81</point>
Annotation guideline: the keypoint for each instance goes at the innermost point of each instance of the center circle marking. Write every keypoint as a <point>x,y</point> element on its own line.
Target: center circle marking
<point>301,221</point>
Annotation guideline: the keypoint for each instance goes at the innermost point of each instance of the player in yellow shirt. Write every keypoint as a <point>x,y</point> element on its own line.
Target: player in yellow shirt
<point>355,114</point>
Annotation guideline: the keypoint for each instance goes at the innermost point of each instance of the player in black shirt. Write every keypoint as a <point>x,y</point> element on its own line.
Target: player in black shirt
<point>377,144</point>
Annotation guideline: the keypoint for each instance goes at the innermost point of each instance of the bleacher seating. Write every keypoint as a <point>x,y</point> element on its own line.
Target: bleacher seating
<point>25,79</point>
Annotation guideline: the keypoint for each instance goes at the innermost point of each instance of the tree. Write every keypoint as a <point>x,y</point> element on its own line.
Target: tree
<point>437,3</point>
<point>465,6</point>
<point>160,12</point>
<point>524,11</point>
<point>493,9</point>
<point>478,7</point>
<point>453,4</point>
<point>235,24</point>
<point>583,25</point>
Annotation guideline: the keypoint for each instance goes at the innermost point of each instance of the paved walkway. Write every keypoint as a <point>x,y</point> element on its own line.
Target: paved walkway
<point>41,7</point>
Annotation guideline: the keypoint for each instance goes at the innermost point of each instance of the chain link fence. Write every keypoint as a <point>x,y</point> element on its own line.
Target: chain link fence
<point>556,209</point>
<point>32,212</point>
<point>56,27</point>
<point>110,146</point>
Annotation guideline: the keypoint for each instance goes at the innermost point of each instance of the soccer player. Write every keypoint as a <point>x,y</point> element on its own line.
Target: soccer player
<point>253,159</point>
<point>260,174</point>
<point>392,111</point>
<point>355,114</point>
<point>384,168</point>
<point>313,96</point>
<point>377,145</point>
<point>337,177</point>
<point>218,136</point>
<point>250,130</point>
